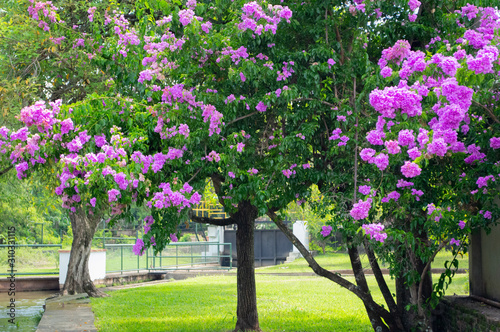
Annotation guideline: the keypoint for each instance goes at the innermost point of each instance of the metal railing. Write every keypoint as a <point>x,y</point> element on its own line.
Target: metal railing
<point>34,246</point>
<point>175,256</point>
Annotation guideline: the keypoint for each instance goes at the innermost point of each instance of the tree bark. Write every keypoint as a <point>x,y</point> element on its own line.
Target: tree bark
<point>247,316</point>
<point>78,276</point>
<point>375,319</point>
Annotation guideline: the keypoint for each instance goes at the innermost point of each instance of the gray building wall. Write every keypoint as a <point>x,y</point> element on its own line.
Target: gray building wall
<point>484,264</point>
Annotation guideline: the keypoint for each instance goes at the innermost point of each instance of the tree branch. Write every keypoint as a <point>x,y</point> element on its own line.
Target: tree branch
<point>422,276</point>
<point>312,99</point>
<point>5,170</point>
<point>488,110</point>
<point>365,297</point>
<point>241,118</point>
<point>382,284</point>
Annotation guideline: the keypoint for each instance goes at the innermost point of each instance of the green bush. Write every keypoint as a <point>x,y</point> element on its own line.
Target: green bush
<point>186,238</point>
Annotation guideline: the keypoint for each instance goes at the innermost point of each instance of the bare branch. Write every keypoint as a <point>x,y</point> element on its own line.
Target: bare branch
<point>242,117</point>
<point>488,110</point>
<point>5,170</point>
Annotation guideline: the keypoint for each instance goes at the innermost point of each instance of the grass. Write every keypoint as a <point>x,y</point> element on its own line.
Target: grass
<point>340,261</point>
<point>285,303</point>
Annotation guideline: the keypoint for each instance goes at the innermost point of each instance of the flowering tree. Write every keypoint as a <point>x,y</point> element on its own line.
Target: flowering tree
<point>140,140</point>
<point>262,104</point>
<point>426,167</point>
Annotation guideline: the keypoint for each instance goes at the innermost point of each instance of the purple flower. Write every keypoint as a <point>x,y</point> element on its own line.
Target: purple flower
<point>112,195</point>
<point>66,126</point>
<point>392,195</point>
<point>381,161</point>
<point>410,170</point>
<point>326,230</point>
<point>375,137</point>
<point>243,78</point>
<point>487,215</point>
<point>185,16</point>
<point>138,247</point>
<point>173,237</point>
<point>392,147</point>
<point>414,153</point>
<point>495,142</point>
<point>261,107</point>
<point>93,201</point>
<point>455,242</point>
<point>438,147</point>
<point>365,190</point>
<point>402,183</point>
<point>253,171</point>
<point>360,210</point>
<point>461,224</point>
<point>386,72</point>
<point>405,137</point>
<point>367,154</point>
<point>231,174</point>
<point>206,26</point>
<point>374,230</point>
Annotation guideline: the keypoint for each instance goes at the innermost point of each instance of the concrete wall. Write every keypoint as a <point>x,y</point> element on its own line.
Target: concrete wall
<point>97,264</point>
<point>484,264</point>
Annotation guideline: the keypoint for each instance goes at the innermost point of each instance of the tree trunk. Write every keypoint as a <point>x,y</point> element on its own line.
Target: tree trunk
<point>78,277</point>
<point>407,295</point>
<point>247,317</point>
<point>375,319</point>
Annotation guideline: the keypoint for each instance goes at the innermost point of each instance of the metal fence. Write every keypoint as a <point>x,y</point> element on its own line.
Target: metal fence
<point>175,256</point>
<point>38,258</point>
<point>120,258</point>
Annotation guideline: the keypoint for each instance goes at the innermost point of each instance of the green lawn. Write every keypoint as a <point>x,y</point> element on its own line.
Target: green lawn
<point>285,303</point>
<point>340,261</point>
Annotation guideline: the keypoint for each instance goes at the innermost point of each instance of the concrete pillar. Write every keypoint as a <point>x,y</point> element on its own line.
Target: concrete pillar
<point>301,232</point>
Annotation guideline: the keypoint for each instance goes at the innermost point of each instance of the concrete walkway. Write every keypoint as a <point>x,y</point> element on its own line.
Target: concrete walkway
<point>73,313</point>
<point>70,313</point>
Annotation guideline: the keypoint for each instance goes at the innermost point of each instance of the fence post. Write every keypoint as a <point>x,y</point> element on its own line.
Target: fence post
<point>121,269</point>
<point>176,255</point>
<point>230,255</point>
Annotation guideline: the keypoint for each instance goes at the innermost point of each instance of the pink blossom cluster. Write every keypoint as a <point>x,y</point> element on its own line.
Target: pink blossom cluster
<point>170,198</point>
<point>410,169</point>
<point>289,172</point>
<point>365,190</point>
<point>392,195</point>
<point>482,181</point>
<point>210,113</point>
<point>360,209</point>
<point>253,14</point>
<point>326,230</point>
<point>45,9</point>
<point>375,231</point>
